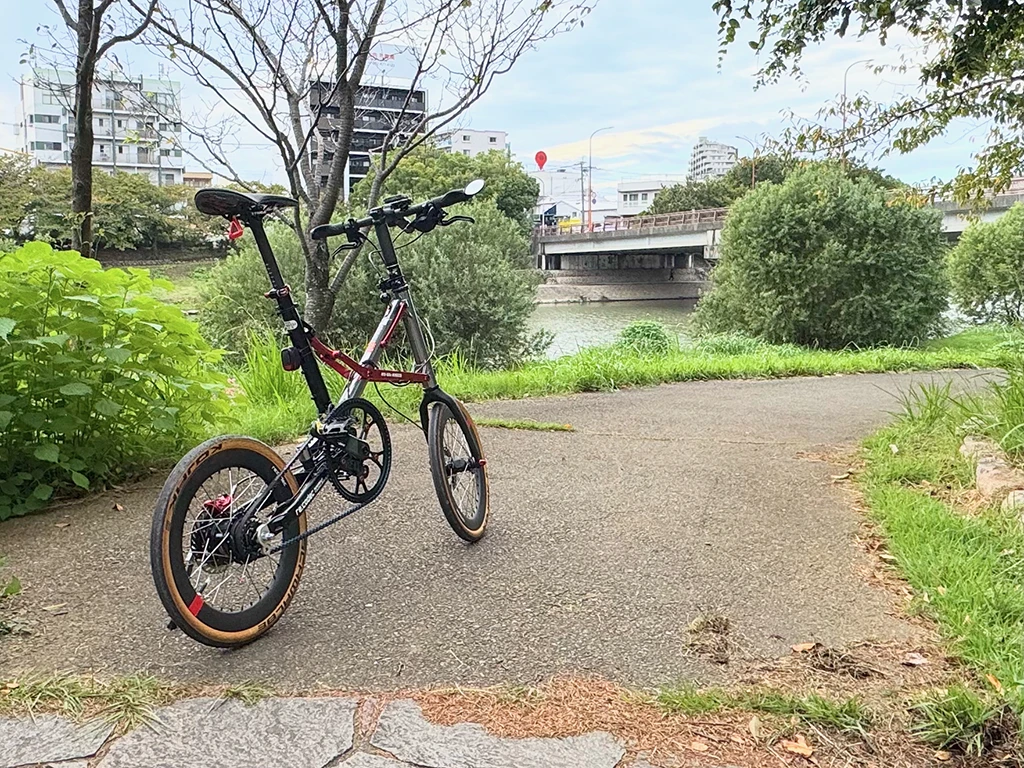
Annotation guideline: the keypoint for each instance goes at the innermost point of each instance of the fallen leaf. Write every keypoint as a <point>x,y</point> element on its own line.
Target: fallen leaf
<point>943,755</point>
<point>118,507</point>
<point>914,660</point>
<point>838,478</point>
<point>995,682</point>
<point>736,738</point>
<point>62,525</point>
<point>941,590</point>
<point>698,746</point>
<point>804,647</point>
<point>754,726</point>
<point>54,607</point>
<point>798,747</point>
<point>894,448</point>
<point>887,557</point>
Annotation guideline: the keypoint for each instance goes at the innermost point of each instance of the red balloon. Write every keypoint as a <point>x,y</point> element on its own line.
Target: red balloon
<point>541,158</point>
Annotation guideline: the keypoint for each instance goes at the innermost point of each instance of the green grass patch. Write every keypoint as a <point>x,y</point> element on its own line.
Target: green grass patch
<point>845,716</point>
<point>527,424</point>
<point>279,408</point>
<point>964,720</point>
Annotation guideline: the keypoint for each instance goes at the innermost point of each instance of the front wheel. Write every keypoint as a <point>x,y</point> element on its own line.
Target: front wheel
<point>213,578</point>
<point>459,469</point>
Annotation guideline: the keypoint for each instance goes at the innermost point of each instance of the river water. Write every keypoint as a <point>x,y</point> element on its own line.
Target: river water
<point>586,325</point>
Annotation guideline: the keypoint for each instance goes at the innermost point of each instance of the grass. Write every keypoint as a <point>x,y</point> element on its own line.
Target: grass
<point>527,424</point>
<point>966,566</point>
<point>279,408</point>
<point>845,716</point>
<point>125,702</point>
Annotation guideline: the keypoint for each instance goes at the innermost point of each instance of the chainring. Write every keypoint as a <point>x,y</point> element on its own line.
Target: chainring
<point>359,480</point>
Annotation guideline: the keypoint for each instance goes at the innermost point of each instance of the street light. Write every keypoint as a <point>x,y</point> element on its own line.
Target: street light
<point>753,160</point>
<point>590,178</point>
<point>845,74</point>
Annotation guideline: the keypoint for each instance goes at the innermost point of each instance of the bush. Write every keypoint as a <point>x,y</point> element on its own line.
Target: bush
<point>645,337</point>
<point>826,261</point>
<point>471,284</point>
<point>97,377</point>
<point>986,266</point>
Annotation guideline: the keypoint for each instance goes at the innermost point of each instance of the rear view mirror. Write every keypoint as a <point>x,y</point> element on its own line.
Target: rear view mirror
<point>474,187</point>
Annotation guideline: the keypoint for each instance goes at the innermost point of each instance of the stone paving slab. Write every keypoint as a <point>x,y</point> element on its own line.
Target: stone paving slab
<point>48,738</point>
<point>404,732</point>
<point>219,733</point>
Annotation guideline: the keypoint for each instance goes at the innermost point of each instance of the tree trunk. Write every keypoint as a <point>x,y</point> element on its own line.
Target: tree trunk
<point>81,152</point>
<point>319,297</point>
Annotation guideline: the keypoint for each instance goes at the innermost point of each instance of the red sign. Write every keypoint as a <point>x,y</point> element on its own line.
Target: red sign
<point>541,158</point>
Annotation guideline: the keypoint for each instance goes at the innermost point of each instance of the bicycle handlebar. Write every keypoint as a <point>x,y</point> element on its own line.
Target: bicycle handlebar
<point>389,214</point>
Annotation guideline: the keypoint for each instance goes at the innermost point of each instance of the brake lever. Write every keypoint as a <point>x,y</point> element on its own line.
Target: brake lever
<point>453,219</point>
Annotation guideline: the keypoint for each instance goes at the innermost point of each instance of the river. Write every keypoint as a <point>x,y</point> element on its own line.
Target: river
<point>586,325</point>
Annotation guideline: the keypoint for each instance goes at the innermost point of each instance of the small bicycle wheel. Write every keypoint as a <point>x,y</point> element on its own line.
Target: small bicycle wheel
<point>218,589</point>
<point>459,469</point>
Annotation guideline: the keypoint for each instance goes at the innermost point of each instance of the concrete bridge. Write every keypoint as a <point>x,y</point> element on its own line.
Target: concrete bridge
<point>664,256</point>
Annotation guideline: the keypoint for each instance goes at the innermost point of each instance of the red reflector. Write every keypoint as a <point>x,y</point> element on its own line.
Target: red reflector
<point>235,230</point>
<point>196,605</point>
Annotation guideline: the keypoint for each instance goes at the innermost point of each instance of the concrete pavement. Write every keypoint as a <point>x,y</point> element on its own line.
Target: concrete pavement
<point>666,503</point>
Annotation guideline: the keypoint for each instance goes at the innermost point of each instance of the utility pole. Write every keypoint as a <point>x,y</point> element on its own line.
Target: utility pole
<point>583,204</point>
<point>753,160</point>
<point>590,198</point>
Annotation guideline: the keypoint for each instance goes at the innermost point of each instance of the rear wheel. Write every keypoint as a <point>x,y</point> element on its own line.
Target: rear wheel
<point>459,469</point>
<point>212,577</point>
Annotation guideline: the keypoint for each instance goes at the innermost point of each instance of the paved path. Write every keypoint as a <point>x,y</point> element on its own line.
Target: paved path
<point>604,544</point>
<point>291,733</point>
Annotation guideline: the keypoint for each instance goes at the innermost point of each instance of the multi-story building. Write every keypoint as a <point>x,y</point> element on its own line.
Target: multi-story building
<point>472,143</point>
<point>136,123</point>
<point>711,160</point>
<point>197,179</point>
<point>635,197</point>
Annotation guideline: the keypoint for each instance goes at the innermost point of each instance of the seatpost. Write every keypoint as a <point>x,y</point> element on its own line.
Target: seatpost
<point>297,332</point>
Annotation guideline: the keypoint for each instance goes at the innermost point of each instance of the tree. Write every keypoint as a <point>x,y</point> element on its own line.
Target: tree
<point>269,62</point>
<point>986,269</point>
<point>15,181</point>
<point>95,34</point>
<point>826,261</point>
<point>430,171</point>
<point>767,167</point>
<point>973,68</point>
<point>694,195</point>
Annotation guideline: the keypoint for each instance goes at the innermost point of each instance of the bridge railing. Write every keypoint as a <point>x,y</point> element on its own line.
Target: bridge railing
<point>708,217</point>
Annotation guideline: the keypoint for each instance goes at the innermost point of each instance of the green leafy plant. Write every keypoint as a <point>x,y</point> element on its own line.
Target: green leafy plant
<point>97,376</point>
<point>986,268</point>
<point>961,719</point>
<point>645,337</point>
<point>824,261</point>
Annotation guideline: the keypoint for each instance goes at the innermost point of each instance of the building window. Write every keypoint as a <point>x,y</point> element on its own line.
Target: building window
<point>50,145</point>
<point>44,118</point>
<point>100,121</point>
<point>120,123</point>
<point>625,198</point>
<point>177,153</point>
<point>165,153</point>
<point>643,195</point>
<point>465,152</point>
<point>168,178</point>
<point>50,98</point>
<point>103,149</point>
<point>465,137</point>
<point>493,139</point>
<point>120,149</point>
<point>632,197</point>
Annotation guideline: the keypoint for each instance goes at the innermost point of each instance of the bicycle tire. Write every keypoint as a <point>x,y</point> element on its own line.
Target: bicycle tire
<point>192,612</point>
<point>470,527</point>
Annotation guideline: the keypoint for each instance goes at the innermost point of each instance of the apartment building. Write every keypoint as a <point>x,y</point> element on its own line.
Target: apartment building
<point>472,143</point>
<point>136,123</point>
<point>635,197</point>
<point>711,160</point>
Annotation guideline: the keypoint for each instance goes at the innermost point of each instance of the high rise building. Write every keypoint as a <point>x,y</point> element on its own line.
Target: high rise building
<point>386,103</point>
<point>711,160</point>
<point>473,143</point>
<point>136,123</point>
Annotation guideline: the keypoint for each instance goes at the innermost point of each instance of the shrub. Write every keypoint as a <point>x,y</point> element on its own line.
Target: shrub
<point>97,377</point>
<point>645,337</point>
<point>986,266</point>
<point>471,284</point>
<point>827,261</point>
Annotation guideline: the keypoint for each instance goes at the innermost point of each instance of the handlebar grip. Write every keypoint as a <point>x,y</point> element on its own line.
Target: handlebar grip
<point>450,198</point>
<point>327,230</point>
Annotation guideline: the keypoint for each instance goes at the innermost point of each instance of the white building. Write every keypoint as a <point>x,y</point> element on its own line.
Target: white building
<point>635,197</point>
<point>473,143</point>
<point>136,123</point>
<point>711,160</point>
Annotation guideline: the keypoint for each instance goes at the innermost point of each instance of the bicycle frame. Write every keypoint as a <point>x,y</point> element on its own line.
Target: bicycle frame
<point>309,348</point>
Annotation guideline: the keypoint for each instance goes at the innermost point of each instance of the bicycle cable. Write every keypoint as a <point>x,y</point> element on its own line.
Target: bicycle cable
<point>389,405</point>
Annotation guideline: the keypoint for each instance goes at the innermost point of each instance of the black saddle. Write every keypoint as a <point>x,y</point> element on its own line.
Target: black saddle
<point>229,203</point>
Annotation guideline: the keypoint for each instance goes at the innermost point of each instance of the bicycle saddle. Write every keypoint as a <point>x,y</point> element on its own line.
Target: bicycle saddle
<point>228,202</point>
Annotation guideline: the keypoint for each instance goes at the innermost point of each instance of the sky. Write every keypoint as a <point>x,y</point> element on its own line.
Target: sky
<point>648,69</point>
